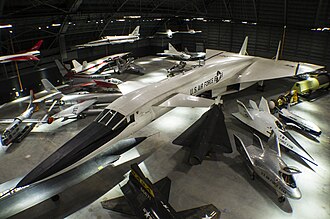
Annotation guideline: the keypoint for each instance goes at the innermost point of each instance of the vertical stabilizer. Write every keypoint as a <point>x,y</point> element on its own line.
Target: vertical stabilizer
<point>274,144</point>
<point>76,64</point>
<point>278,51</point>
<point>63,70</point>
<point>31,98</point>
<point>257,142</point>
<point>171,48</point>
<point>243,110</point>
<point>36,46</point>
<point>136,32</point>
<point>263,105</point>
<point>244,47</point>
<point>49,86</point>
<point>253,105</point>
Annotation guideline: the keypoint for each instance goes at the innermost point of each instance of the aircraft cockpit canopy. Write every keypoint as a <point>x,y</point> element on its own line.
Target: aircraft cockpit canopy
<point>288,177</point>
<point>112,119</point>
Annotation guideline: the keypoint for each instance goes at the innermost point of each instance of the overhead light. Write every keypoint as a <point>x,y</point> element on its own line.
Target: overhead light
<point>244,22</point>
<point>56,25</point>
<point>69,22</point>
<point>120,20</point>
<point>47,27</point>
<point>132,16</point>
<point>226,21</point>
<point>5,26</point>
<point>10,31</point>
<point>321,29</point>
<point>39,28</point>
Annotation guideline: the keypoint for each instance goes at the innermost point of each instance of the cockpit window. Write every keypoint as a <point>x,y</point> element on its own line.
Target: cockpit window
<point>289,180</point>
<point>111,118</point>
<point>279,125</point>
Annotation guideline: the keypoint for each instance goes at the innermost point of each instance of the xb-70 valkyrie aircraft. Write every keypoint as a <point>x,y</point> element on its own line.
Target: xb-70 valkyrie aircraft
<point>223,73</point>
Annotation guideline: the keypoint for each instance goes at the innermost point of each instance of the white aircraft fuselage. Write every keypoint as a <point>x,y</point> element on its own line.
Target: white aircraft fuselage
<point>221,71</point>
<point>20,57</point>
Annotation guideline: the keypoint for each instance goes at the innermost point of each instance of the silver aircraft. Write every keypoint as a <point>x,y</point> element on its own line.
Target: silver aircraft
<point>75,105</point>
<point>186,55</point>
<point>223,73</point>
<point>260,119</point>
<point>169,33</point>
<point>266,162</point>
<point>130,38</point>
<point>21,125</point>
<point>303,124</point>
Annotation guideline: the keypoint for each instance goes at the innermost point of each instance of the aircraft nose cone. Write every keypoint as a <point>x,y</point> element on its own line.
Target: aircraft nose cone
<point>294,141</point>
<point>296,194</point>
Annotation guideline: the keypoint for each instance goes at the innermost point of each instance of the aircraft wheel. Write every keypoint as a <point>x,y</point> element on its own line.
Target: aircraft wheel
<point>281,199</point>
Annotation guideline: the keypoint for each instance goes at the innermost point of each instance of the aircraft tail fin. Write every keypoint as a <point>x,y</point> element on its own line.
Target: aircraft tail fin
<point>136,31</point>
<point>241,148</point>
<point>186,50</point>
<point>263,105</point>
<point>31,103</point>
<point>278,51</point>
<point>76,64</point>
<point>257,142</point>
<point>50,88</point>
<point>137,177</point>
<point>63,70</point>
<point>253,105</point>
<point>36,46</point>
<point>243,50</point>
<point>171,48</point>
<point>164,187</point>
<point>274,144</point>
<point>243,110</point>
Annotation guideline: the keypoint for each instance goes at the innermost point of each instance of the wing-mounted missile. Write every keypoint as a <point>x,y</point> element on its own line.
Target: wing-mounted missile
<point>207,132</point>
<point>266,162</point>
<point>144,199</point>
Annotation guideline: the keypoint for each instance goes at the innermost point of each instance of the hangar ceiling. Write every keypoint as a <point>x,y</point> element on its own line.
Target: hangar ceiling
<point>32,19</point>
<point>225,23</point>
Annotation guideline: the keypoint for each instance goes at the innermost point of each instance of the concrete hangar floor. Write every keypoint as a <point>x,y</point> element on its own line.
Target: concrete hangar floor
<point>222,180</point>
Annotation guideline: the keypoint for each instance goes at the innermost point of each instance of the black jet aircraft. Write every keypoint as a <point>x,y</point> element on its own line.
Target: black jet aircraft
<point>147,200</point>
<point>208,133</point>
